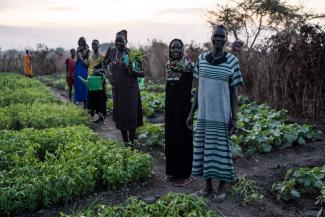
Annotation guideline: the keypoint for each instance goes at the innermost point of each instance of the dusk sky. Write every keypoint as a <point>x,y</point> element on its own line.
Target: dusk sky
<point>24,23</point>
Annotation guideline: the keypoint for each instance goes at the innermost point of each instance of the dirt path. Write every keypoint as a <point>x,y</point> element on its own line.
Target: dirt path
<point>264,169</point>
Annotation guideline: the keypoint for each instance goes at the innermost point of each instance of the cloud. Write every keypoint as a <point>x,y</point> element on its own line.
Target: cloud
<point>67,36</point>
<point>62,8</point>
<point>13,4</point>
<point>179,11</point>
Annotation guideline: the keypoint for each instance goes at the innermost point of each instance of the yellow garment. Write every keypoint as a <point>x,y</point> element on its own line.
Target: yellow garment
<point>92,62</point>
<point>27,65</point>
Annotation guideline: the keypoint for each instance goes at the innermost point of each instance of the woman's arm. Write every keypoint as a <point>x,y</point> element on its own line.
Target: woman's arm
<point>234,105</point>
<point>189,121</point>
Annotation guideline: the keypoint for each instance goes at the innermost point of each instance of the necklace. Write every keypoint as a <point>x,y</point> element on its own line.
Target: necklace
<point>116,56</point>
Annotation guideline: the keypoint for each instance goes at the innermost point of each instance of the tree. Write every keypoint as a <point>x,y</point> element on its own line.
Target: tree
<point>249,18</point>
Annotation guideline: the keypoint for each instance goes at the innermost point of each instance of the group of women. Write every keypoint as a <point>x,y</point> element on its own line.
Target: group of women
<point>218,77</point>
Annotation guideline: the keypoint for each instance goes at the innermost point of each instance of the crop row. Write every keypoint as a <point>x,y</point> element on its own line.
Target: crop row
<point>171,205</point>
<point>42,167</point>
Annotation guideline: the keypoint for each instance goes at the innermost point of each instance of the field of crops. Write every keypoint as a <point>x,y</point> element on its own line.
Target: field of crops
<point>49,155</point>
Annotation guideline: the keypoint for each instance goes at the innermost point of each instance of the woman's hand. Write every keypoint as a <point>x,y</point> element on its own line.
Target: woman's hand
<point>189,121</point>
<point>233,127</point>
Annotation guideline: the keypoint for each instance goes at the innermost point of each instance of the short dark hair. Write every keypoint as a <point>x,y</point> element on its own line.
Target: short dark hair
<point>220,26</point>
<point>72,50</point>
<point>124,33</point>
<point>95,40</point>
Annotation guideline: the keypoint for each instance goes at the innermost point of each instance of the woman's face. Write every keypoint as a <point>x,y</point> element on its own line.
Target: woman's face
<point>219,38</point>
<point>120,42</point>
<point>95,46</point>
<point>176,50</point>
<point>81,41</point>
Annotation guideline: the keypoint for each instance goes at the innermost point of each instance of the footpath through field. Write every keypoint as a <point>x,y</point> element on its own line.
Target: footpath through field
<point>264,169</point>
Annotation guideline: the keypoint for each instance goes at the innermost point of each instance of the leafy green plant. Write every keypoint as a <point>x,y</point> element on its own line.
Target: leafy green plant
<point>171,205</point>
<point>26,96</point>
<point>263,129</point>
<point>60,84</point>
<point>299,182</point>
<point>246,191</point>
<point>39,115</point>
<point>42,167</point>
<point>152,102</point>
<point>152,86</point>
<point>151,134</point>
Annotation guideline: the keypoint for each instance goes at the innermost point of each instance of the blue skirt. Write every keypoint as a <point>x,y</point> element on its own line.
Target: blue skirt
<point>80,89</point>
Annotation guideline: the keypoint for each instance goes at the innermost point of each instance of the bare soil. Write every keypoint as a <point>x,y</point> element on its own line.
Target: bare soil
<point>264,169</point>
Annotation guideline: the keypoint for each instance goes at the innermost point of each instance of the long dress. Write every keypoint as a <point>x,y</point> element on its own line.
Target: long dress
<point>96,101</point>
<point>70,64</point>
<point>178,138</point>
<point>212,156</point>
<point>27,65</point>
<point>127,108</point>
<point>80,89</point>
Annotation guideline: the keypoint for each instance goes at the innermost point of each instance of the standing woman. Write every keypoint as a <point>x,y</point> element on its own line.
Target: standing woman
<point>96,101</point>
<point>70,68</point>
<point>28,64</point>
<point>80,89</point>
<point>179,139</point>
<point>127,108</point>
<point>219,76</point>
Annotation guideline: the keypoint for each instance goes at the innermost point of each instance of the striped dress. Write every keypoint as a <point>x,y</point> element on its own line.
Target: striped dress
<point>212,155</point>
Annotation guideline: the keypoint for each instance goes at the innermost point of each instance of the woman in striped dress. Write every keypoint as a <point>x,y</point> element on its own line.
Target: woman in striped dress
<point>219,75</point>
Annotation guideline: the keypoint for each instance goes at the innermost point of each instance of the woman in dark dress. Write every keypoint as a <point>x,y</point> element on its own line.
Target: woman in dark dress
<point>179,139</point>
<point>96,98</point>
<point>127,108</point>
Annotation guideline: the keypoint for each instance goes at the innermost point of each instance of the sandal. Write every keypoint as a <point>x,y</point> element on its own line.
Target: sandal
<point>169,178</point>
<point>184,182</point>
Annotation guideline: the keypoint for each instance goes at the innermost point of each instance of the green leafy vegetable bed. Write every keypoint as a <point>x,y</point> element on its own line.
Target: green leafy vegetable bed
<point>151,134</point>
<point>152,102</point>
<point>309,181</point>
<point>17,89</point>
<point>39,116</point>
<point>171,205</point>
<point>263,128</point>
<point>42,167</point>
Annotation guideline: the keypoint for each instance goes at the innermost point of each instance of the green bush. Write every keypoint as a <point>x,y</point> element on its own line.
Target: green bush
<point>42,167</point>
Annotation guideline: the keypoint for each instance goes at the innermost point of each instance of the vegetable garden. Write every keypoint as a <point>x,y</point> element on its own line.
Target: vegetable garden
<point>49,156</point>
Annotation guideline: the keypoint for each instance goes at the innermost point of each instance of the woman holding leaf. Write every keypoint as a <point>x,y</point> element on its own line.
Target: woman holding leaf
<point>127,108</point>
<point>179,139</point>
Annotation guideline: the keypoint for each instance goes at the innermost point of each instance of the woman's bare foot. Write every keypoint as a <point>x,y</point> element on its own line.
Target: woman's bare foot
<point>222,192</point>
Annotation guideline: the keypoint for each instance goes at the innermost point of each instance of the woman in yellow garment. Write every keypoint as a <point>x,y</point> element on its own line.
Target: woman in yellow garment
<point>27,64</point>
